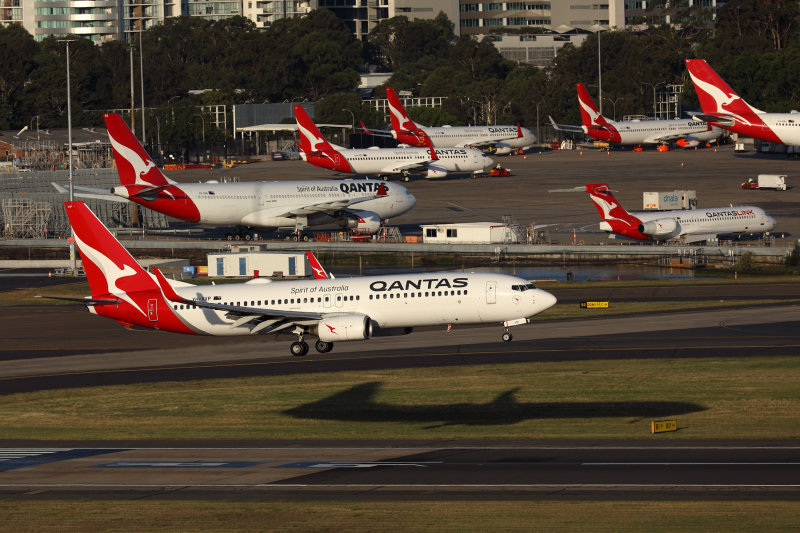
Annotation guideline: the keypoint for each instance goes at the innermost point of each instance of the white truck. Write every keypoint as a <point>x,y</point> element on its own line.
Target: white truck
<point>766,181</point>
<point>663,201</point>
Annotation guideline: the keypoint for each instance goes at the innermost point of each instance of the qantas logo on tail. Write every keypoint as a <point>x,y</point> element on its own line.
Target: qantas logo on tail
<point>311,140</point>
<point>319,272</point>
<point>127,149</point>
<point>400,119</point>
<point>115,266</point>
<point>590,116</point>
<point>607,205</point>
<point>716,96</point>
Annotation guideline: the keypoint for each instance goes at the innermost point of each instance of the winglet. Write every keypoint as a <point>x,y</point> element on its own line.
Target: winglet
<point>319,272</point>
<point>434,157</point>
<point>363,127</point>
<point>519,131</point>
<point>167,289</point>
<point>382,190</point>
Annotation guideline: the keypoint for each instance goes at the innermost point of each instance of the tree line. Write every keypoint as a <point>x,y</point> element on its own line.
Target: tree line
<point>753,45</point>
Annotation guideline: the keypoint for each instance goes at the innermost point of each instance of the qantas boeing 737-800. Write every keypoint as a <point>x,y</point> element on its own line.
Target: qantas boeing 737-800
<point>686,133</point>
<point>723,107</point>
<point>333,310</point>
<point>503,139</point>
<point>358,204</point>
<point>690,225</point>
<point>432,162</point>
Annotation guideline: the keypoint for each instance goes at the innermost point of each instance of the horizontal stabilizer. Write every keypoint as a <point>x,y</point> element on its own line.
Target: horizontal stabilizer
<point>721,120</point>
<point>87,301</point>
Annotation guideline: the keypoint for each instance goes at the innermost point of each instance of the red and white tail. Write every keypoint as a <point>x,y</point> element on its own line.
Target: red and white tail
<point>614,216</point>
<point>114,274</point>
<point>134,165</point>
<point>311,139</point>
<point>590,115</point>
<point>319,272</point>
<point>714,94</point>
<point>397,113</point>
<point>110,268</point>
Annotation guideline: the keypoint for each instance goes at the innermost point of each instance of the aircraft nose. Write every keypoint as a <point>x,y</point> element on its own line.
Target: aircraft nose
<point>772,222</point>
<point>545,300</point>
<point>411,199</point>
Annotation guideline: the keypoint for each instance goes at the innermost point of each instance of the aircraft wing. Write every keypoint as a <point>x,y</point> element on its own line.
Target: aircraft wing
<point>566,127</point>
<point>265,320</point>
<point>724,121</point>
<point>413,166</point>
<point>82,191</point>
<point>330,207</point>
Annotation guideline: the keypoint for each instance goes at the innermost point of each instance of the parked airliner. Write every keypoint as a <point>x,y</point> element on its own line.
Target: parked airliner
<point>360,204</point>
<point>687,133</point>
<point>433,162</point>
<point>723,107</point>
<point>331,309</point>
<point>690,225</point>
<point>501,139</point>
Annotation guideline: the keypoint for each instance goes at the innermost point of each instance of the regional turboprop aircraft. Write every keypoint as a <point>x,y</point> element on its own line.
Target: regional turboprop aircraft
<point>433,162</point>
<point>690,225</point>
<point>686,133</point>
<point>333,310</point>
<point>502,139</point>
<point>360,204</point>
<point>723,107</point>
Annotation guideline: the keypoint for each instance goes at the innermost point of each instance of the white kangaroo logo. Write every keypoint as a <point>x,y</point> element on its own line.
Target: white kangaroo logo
<point>140,166</point>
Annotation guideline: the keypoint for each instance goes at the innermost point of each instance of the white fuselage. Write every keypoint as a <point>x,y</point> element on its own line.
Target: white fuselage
<point>278,204</point>
<point>657,131</point>
<point>397,301</point>
<point>714,221</point>
<point>479,136</point>
<point>397,160</point>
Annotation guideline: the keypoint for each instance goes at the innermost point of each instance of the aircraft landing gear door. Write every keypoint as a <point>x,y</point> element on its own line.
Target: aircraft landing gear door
<point>491,292</point>
<point>152,309</point>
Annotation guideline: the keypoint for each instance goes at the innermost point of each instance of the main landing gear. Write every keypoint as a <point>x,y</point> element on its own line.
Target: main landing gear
<point>300,347</point>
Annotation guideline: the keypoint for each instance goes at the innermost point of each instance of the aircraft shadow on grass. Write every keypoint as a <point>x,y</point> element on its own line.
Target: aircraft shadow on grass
<point>357,404</point>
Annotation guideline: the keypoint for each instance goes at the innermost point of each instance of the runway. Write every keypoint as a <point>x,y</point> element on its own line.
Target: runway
<point>626,470</point>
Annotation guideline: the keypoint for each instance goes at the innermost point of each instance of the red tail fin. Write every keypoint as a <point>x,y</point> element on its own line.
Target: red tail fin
<point>714,94</point>
<point>311,139</point>
<point>319,272</point>
<point>134,165</point>
<point>590,116</point>
<point>400,119</point>
<point>110,269</point>
<point>614,216</point>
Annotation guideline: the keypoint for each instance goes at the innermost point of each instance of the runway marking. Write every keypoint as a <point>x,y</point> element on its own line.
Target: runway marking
<point>354,464</point>
<point>181,464</point>
<point>383,486</point>
<point>371,355</point>
<point>749,463</point>
<point>15,458</point>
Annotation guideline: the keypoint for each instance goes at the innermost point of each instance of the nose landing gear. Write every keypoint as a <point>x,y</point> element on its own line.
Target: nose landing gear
<point>507,336</point>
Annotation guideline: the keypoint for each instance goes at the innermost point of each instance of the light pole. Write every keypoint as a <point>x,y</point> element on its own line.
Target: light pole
<point>538,139</point>
<point>141,79</point>
<point>654,86</point>
<point>614,105</point>
<point>133,114</point>
<point>352,118</point>
<point>69,141</point>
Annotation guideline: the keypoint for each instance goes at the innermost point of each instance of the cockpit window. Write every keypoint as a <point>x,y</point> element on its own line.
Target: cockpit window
<point>523,288</point>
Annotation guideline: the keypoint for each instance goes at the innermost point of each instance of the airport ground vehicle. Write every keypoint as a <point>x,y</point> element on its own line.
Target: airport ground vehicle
<point>766,181</point>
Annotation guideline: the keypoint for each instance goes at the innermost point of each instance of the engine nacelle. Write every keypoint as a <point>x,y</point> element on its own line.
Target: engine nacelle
<point>661,227</point>
<point>688,142</point>
<point>351,327</point>
<point>436,172</point>
<point>502,149</point>
<point>365,222</point>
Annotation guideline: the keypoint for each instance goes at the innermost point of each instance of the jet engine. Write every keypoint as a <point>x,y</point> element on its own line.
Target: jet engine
<point>435,171</point>
<point>350,327</point>
<point>688,142</point>
<point>366,222</point>
<point>662,227</point>
<point>502,149</point>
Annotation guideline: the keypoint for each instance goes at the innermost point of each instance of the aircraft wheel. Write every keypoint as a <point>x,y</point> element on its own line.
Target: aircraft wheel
<point>507,336</point>
<point>305,238</point>
<point>298,349</point>
<point>247,236</point>
<point>228,236</point>
<point>406,178</point>
<point>323,347</point>
<point>294,238</point>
